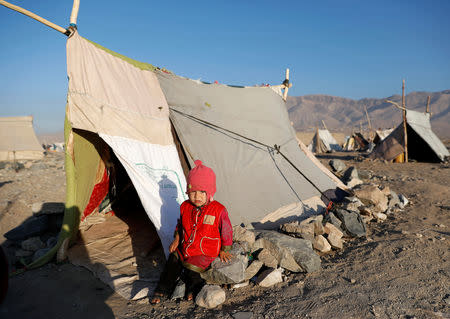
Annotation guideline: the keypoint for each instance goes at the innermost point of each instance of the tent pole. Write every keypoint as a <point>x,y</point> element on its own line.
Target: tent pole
<point>368,122</point>
<point>34,16</point>
<point>287,85</point>
<point>325,127</point>
<point>404,121</point>
<point>428,105</point>
<point>74,14</point>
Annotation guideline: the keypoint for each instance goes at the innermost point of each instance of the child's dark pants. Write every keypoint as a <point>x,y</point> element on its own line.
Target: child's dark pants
<point>172,272</point>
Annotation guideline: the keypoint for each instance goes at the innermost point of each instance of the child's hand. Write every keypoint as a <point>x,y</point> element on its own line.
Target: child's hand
<point>225,256</point>
<point>173,246</point>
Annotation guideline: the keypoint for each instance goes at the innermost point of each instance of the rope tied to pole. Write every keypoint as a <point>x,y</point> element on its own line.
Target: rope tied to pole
<point>276,147</point>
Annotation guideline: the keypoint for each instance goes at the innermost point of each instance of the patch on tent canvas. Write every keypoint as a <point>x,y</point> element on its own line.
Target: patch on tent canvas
<point>209,220</point>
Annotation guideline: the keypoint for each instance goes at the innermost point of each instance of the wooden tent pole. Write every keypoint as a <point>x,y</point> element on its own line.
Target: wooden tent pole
<point>405,134</point>
<point>74,14</point>
<point>428,105</point>
<point>34,16</point>
<point>325,127</point>
<point>368,122</point>
<point>286,84</point>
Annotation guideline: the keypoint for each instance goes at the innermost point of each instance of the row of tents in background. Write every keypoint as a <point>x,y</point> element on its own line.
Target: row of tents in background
<point>388,144</point>
<point>19,142</point>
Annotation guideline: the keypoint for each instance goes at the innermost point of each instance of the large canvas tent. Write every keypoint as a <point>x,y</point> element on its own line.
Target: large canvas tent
<point>324,142</point>
<point>18,140</point>
<point>127,118</point>
<point>423,144</point>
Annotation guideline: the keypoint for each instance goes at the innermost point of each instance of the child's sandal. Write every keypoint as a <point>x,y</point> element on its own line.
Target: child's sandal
<point>190,296</point>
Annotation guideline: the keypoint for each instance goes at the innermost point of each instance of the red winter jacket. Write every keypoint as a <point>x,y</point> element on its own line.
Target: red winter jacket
<point>204,230</point>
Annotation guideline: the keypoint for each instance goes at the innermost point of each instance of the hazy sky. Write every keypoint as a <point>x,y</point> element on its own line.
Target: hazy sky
<point>345,48</point>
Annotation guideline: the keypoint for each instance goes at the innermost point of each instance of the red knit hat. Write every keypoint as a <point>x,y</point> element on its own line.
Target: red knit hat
<point>201,178</point>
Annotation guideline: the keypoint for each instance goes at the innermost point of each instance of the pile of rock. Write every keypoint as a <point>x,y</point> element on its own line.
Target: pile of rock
<point>37,235</point>
<point>262,256</point>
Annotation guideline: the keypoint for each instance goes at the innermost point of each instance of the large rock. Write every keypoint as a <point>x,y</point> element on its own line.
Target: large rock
<point>372,195</point>
<point>253,269</point>
<point>321,244</point>
<point>269,277</point>
<point>337,165</point>
<point>244,235</point>
<point>294,254</point>
<point>330,229</point>
<point>210,297</point>
<point>305,230</point>
<point>394,200</point>
<point>332,219</point>
<point>349,174</point>
<point>232,272</point>
<point>335,241</point>
<point>352,223</point>
<point>34,226</point>
<point>267,258</point>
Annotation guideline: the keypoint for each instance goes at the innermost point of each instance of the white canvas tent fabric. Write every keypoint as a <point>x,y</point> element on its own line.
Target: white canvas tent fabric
<point>126,107</point>
<point>324,141</point>
<point>18,140</point>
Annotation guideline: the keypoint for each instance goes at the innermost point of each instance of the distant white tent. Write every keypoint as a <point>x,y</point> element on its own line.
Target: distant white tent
<point>18,140</point>
<point>423,144</point>
<point>323,142</point>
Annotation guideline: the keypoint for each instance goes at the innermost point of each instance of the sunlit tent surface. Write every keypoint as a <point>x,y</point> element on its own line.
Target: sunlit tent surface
<point>18,140</point>
<point>119,118</point>
<point>423,144</point>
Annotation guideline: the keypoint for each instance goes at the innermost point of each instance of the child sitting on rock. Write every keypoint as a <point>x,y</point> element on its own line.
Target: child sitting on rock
<point>203,232</point>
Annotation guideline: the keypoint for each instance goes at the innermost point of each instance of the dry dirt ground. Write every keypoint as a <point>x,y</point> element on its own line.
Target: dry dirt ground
<point>400,271</point>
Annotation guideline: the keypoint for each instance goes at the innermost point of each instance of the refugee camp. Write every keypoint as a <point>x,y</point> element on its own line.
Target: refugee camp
<point>224,160</point>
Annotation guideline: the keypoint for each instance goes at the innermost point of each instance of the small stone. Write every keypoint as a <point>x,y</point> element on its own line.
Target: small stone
<point>335,241</point>
<point>331,229</point>
<point>353,281</point>
<point>405,232</point>
<point>210,297</point>
<point>442,225</point>
<point>419,235</point>
<point>179,290</point>
<point>240,285</point>
<point>321,244</point>
<point>243,315</point>
<point>269,277</point>
<point>380,216</point>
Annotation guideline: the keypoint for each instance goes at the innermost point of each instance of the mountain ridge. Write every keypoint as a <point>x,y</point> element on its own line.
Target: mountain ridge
<point>344,114</point>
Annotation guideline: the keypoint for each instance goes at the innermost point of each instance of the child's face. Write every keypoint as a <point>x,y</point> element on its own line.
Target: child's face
<point>197,198</point>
